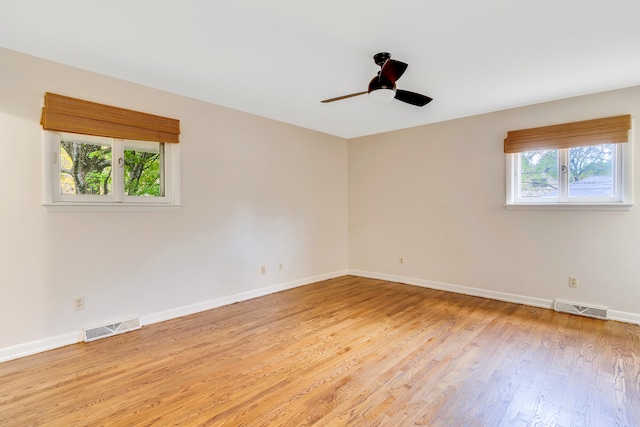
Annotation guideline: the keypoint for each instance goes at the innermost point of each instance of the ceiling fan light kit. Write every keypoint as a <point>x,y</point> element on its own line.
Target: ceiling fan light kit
<point>382,95</point>
<point>382,88</point>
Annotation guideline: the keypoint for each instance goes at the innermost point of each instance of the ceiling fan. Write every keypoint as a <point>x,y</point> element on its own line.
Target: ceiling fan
<point>382,88</point>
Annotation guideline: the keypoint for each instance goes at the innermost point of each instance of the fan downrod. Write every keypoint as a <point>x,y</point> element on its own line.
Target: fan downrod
<point>381,58</point>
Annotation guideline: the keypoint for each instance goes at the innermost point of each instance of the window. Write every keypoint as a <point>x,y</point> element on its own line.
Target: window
<point>93,169</point>
<point>580,174</point>
<point>582,165</point>
<point>98,168</point>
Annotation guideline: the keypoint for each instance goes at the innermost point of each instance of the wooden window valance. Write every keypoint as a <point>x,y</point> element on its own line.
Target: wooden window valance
<point>65,114</point>
<point>609,130</point>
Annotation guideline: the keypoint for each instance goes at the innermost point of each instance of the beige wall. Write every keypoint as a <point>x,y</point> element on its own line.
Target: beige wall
<point>255,192</point>
<point>434,195</point>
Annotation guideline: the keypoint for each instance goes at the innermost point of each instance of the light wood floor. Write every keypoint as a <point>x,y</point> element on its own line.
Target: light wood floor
<point>343,352</point>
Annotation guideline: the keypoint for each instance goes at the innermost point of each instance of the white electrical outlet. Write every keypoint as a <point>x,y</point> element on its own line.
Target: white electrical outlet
<point>401,261</point>
<point>263,270</point>
<point>573,281</point>
<point>78,303</point>
<point>280,266</point>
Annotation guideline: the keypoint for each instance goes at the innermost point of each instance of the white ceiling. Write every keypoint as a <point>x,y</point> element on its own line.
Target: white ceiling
<point>279,58</point>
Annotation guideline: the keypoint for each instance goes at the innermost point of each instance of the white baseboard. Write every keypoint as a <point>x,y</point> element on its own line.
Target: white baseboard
<point>623,316</point>
<point>39,346</point>
<point>243,296</point>
<point>620,316</point>
<point>50,343</point>
<point>476,292</point>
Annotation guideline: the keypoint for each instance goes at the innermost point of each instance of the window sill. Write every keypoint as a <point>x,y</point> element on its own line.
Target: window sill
<point>569,206</point>
<point>109,207</point>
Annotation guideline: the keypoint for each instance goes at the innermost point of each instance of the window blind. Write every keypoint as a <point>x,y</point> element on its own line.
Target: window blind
<point>65,114</point>
<point>609,130</point>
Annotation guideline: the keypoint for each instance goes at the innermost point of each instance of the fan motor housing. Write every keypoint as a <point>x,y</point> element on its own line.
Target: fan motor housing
<point>380,82</point>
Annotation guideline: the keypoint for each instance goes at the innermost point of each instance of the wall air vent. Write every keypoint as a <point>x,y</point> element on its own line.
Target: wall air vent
<point>98,332</point>
<point>580,309</point>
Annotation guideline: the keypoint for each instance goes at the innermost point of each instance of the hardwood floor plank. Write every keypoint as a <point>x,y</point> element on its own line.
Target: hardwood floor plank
<point>343,352</point>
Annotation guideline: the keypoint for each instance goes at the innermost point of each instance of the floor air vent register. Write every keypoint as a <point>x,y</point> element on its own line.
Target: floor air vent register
<point>104,331</point>
<point>580,309</point>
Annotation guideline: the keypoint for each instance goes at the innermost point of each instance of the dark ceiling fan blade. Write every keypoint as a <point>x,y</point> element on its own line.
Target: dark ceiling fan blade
<point>412,98</point>
<point>343,97</point>
<point>392,70</point>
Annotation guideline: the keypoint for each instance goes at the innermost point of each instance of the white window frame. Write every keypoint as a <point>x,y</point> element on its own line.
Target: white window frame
<point>623,185</point>
<point>54,201</point>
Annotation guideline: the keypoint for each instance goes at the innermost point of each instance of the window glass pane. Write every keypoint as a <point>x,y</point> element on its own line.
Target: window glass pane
<point>591,171</point>
<point>143,168</point>
<point>539,173</point>
<point>85,165</point>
